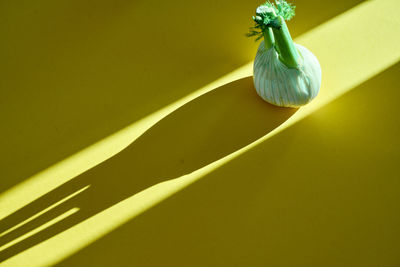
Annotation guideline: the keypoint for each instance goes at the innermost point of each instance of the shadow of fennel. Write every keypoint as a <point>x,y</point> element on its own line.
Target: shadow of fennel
<point>323,192</point>
<point>195,135</point>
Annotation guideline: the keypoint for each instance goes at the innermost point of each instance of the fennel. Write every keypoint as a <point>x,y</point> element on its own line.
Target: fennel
<point>285,74</point>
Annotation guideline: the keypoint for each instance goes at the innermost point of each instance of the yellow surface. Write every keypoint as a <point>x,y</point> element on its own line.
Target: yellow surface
<point>272,187</point>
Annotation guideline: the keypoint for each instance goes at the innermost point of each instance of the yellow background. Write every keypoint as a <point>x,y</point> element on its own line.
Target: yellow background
<point>249,184</point>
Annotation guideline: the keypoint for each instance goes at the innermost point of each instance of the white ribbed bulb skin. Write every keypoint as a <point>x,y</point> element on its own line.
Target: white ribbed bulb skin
<point>283,86</point>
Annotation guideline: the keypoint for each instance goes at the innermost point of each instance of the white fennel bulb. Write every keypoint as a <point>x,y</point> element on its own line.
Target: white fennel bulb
<point>283,86</point>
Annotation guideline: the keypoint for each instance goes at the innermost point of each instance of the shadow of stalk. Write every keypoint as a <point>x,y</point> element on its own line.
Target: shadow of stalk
<point>197,134</point>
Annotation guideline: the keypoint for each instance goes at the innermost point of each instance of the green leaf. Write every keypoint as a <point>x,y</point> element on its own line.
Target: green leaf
<point>266,15</point>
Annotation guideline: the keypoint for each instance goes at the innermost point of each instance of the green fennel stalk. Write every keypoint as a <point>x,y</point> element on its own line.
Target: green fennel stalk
<point>270,24</point>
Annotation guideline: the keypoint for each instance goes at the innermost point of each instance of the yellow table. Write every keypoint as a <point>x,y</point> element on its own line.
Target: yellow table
<point>132,136</point>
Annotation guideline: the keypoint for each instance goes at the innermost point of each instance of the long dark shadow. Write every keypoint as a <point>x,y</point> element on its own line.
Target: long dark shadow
<point>200,132</point>
<point>93,68</point>
<point>327,184</point>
